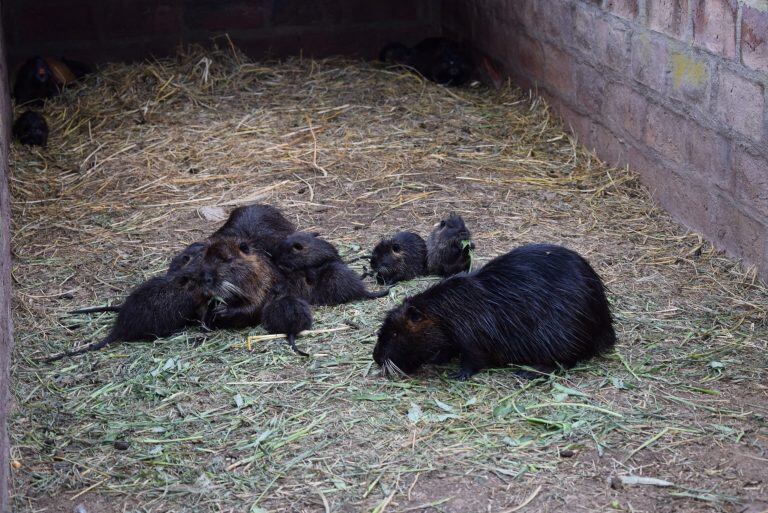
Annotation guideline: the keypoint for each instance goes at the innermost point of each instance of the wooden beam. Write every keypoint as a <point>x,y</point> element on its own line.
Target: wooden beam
<point>6,326</point>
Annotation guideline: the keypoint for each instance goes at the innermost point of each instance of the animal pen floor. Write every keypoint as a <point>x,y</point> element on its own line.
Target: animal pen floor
<point>200,423</point>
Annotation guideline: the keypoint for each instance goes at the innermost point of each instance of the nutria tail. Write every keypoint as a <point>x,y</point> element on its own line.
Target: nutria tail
<point>95,309</point>
<point>292,342</point>
<point>90,347</point>
<point>378,293</point>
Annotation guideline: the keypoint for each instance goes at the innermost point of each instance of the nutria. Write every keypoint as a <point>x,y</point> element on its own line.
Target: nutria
<point>315,272</point>
<point>188,257</point>
<point>438,59</point>
<point>31,129</point>
<point>402,257</point>
<point>289,315</point>
<point>40,78</point>
<point>237,278</point>
<point>539,305</point>
<point>449,247</point>
<point>263,226</point>
<point>157,308</point>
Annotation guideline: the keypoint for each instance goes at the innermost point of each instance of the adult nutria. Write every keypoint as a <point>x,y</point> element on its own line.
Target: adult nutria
<point>402,257</point>
<point>263,226</point>
<point>289,315</point>
<point>314,271</point>
<point>449,247</point>
<point>237,278</point>
<point>157,308</point>
<point>539,305</point>
<point>43,77</point>
<point>31,129</point>
<point>438,59</point>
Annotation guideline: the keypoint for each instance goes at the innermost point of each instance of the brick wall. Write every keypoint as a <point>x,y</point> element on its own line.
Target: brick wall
<point>114,30</point>
<point>674,88</point>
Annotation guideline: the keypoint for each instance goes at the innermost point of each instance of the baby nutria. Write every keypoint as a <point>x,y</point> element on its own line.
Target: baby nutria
<point>262,225</point>
<point>539,305</point>
<point>289,315</point>
<point>239,279</point>
<point>157,308</point>
<point>31,129</point>
<point>449,248</point>
<point>437,58</point>
<point>403,257</point>
<point>315,272</point>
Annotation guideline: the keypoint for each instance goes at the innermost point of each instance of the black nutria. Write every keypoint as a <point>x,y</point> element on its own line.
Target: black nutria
<point>314,271</point>
<point>449,247</point>
<point>403,257</point>
<point>437,58</point>
<point>287,314</point>
<point>539,305</point>
<point>188,257</point>
<point>262,225</point>
<point>157,308</point>
<point>31,129</point>
<point>43,77</point>
<point>238,279</point>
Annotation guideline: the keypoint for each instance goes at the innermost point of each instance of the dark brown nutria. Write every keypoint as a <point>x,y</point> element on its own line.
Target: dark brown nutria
<point>437,58</point>
<point>31,129</point>
<point>402,257</point>
<point>157,308</point>
<point>289,315</point>
<point>188,257</point>
<point>263,226</point>
<point>314,271</point>
<point>40,78</point>
<point>539,305</point>
<point>238,279</point>
<point>449,247</point>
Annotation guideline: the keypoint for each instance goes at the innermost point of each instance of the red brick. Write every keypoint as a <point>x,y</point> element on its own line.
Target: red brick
<point>530,56</point>
<point>668,17</point>
<point>740,234</point>
<point>610,148</point>
<point>714,26</point>
<point>624,108</point>
<point>558,71</point>
<point>754,38</point>
<point>689,77</point>
<point>612,37</point>
<point>590,88</point>
<point>626,9</point>
<point>649,61</point>
<point>555,18</point>
<point>584,29</point>
<point>751,172</point>
<point>686,198</point>
<point>666,132</point>
<point>740,103</point>
<point>708,154</point>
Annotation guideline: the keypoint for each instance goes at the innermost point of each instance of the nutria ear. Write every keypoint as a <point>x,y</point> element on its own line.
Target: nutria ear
<point>413,314</point>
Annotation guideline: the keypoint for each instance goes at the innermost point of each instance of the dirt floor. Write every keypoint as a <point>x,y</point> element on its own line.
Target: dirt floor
<point>199,423</point>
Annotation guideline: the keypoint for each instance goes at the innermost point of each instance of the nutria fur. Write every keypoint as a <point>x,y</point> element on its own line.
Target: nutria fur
<point>315,272</point>
<point>40,78</point>
<point>289,315</point>
<point>157,308</point>
<point>402,257</point>
<point>239,279</point>
<point>188,257</point>
<point>539,305</point>
<point>31,129</point>
<point>263,226</point>
<point>449,247</point>
<point>438,59</point>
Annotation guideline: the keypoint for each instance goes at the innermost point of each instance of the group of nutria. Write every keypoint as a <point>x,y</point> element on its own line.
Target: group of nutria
<point>540,305</point>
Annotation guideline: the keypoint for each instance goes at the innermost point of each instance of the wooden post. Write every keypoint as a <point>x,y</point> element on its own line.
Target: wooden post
<point>6,326</point>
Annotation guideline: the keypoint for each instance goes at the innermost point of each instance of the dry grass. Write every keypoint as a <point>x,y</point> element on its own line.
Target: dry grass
<point>357,152</point>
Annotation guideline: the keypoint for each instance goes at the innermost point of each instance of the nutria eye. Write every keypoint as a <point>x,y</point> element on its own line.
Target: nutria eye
<point>297,246</point>
<point>187,258</point>
<point>243,247</point>
<point>396,248</point>
<point>414,315</point>
<point>442,224</point>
